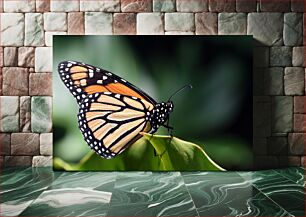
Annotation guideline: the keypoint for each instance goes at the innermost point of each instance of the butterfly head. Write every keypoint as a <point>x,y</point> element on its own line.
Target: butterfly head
<point>169,106</point>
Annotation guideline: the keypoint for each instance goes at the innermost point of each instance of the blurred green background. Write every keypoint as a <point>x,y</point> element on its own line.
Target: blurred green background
<point>216,114</point>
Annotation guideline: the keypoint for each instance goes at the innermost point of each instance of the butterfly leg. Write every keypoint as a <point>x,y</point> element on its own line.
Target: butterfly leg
<point>155,153</point>
<point>170,129</point>
<point>152,133</point>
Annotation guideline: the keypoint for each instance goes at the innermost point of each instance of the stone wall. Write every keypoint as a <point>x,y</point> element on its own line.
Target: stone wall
<point>27,27</point>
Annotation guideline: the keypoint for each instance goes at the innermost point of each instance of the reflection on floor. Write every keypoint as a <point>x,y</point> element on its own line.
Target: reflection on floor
<point>42,192</point>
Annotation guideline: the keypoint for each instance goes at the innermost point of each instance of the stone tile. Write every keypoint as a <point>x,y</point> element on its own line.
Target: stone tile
<point>299,104</point>
<point>10,56</point>
<point>9,115</point>
<point>298,56</point>
<point>294,81</point>
<point>43,59</point>
<point>282,117</point>
<point>49,37</point>
<point>262,99</point>
<point>19,6</point>
<point>297,6</point>
<point>42,161</point>
<point>262,119</point>
<point>304,30</point>
<point>261,23</point>
<point>25,114</point>
<point>55,21</point>
<point>46,143</point>
<point>25,187</point>
<point>1,157</point>
<point>34,30</point>
<point>303,161</point>
<point>5,144</point>
<point>258,81</point>
<point>42,5</point>
<point>41,110</point>
<point>150,24</point>
<point>24,144</point>
<point>280,56</point>
<point>260,146</point>
<point>232,23</point>
<point>100,5</point>
<point>179,22</point>
<point>261,56</point>
<point>124,23</point>
<point>273,81</point>
<point>12,24</point>
<point>1,56</point>
<point>289,161</point>
<point>293,29</point>
<point>299,123</point>
<point>179,33</point>
<point>40,84</point>
<point>206,23</point>
<point>270,6</point>
<point>15,81</point>
<point>278,146</point>
<point>246,5</point>
<point>221,6</point>
<point>98,23</point>
<point>136,5</point>
<point>1,81</point>
<point>191,5</point>
<point>76,23</point>
<point>265,162</point>
<point>17,161</point>
<point>26,56</point>
<point>296,143</point>
<point>163,5</point>
<point>62,5</point>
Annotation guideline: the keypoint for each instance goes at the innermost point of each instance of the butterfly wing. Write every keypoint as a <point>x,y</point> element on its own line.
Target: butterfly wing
<point>110,122</point>
<point>112,110</point>
<point>83,79</point>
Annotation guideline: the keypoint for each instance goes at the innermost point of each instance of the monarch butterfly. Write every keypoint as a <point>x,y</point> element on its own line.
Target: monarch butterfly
<point>112,111</point>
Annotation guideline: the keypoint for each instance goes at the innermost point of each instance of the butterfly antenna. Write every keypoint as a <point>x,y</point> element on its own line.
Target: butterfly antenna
<point>179,90</point>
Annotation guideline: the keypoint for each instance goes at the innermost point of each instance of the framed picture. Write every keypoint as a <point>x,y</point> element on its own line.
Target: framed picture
<point>152,103</point>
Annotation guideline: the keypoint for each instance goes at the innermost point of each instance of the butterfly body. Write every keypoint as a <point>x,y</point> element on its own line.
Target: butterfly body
<point>112,112</point>
<point>159,115</point>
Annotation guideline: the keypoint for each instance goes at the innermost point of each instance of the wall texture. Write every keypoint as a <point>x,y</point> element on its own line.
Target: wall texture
<point>26,33</point>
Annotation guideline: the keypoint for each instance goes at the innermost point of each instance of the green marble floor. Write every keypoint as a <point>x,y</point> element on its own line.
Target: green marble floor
<point>42,192</point>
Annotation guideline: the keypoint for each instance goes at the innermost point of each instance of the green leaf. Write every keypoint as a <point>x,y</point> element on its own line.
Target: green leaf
<point>150,153</point>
